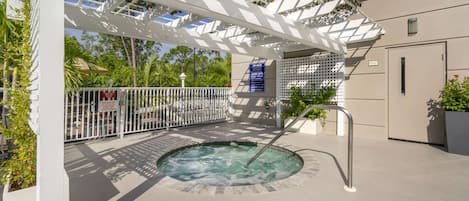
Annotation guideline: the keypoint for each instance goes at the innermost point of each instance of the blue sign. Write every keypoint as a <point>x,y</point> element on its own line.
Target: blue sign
<point>256,77</point>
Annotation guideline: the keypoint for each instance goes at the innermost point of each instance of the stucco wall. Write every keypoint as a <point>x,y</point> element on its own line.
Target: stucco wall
<point>250,106</point>
<point>366,87</point>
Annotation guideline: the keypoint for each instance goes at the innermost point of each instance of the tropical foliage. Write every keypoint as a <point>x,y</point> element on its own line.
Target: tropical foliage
<point>20,169</point>
<point>299,101</point>
<point>145,68</point>
<point>456,95</point>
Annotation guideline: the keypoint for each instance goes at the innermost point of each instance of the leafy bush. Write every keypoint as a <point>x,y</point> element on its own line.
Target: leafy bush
<point>299,101</point>
<point>20,169</point>
<point>456,95</point>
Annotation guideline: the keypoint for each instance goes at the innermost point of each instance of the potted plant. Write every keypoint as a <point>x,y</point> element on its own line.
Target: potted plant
<point>311,123</point>
<point>455,101</point>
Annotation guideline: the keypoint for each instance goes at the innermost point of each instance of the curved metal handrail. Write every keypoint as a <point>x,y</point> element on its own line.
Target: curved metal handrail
<point>349,187</point>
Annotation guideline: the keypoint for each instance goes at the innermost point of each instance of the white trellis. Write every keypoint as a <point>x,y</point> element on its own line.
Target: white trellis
<point>310,73</point>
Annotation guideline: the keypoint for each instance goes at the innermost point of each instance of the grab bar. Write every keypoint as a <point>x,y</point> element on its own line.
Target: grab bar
<point>349,187</point>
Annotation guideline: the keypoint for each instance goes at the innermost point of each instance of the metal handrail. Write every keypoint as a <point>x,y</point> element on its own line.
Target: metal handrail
<point>349,187</point>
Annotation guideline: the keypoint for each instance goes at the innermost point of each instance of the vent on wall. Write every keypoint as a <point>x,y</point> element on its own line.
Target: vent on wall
<point>412,26</point>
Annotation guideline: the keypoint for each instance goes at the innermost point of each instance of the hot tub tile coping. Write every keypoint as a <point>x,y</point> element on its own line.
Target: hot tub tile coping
<point>309,170</point>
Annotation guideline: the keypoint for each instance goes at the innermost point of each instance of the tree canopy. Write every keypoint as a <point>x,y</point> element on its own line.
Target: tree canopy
<point>134,62</point>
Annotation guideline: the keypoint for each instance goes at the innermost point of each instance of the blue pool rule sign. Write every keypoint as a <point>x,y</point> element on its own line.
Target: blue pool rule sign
<point>256,77</point>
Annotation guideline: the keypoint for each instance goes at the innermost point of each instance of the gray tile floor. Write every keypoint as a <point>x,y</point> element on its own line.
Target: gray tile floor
<point>115,169</point>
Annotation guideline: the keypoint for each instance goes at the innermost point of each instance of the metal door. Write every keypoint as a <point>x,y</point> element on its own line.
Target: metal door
<point>416,75</point>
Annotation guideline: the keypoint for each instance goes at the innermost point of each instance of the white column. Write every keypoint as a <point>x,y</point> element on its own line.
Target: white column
<point>48,99</point>
<point>341,120</point>
<point>278,102</point>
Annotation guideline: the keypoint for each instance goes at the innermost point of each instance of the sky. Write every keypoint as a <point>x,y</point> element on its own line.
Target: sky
<point>164,49</point>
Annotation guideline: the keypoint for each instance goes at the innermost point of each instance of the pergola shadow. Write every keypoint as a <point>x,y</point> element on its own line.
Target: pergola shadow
<point>94,174</point>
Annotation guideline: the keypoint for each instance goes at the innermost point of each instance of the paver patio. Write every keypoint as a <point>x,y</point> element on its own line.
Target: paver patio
<point>125,169</point>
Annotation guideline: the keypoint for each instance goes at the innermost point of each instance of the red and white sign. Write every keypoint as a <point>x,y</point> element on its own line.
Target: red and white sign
<point>108,95</point>
<point>108,106</point>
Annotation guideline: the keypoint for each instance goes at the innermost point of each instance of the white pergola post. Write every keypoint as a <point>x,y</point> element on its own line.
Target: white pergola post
<point>47,109</point>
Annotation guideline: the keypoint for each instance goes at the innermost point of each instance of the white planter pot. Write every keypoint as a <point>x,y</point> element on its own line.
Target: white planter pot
<point>457,132</point>
<point>306,126</point>
<point>27,194</point>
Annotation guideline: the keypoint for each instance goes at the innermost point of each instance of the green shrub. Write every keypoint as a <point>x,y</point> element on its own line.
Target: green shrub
<point>456,95</point>
<point>299,101</point>
<point>20,169</point>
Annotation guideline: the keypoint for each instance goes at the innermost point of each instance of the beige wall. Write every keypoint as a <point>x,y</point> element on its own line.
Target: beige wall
<point>247,106</point>
<point>366,86</point>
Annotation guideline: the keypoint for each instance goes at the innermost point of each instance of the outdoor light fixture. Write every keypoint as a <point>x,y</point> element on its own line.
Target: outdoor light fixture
<point>182,77</point>
<point>412,26</point>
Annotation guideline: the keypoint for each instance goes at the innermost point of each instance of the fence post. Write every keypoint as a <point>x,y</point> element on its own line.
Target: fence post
<point>121,113</point>
<point>167,115</point>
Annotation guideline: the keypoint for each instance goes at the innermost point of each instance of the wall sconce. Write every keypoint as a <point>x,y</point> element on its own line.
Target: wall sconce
<point>412,26</point>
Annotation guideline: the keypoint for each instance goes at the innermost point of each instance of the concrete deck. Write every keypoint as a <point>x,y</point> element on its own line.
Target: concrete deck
<point>115,169</point>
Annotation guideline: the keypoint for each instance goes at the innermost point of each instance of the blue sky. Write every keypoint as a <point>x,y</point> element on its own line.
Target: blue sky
<point>164,49</point>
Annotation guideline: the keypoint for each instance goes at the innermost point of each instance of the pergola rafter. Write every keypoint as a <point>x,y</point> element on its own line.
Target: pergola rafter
<point>110,5</point>
<point>190,19</point>
<point>155,12</point>
<point>231,31</point>
<point>315,11</point>
<point>280,6</point>
<point>209,27</point>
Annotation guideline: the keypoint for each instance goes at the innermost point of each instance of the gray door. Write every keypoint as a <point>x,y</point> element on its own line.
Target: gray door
<point>416,75</point>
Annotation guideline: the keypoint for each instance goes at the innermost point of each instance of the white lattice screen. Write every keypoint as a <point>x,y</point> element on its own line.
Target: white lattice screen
<point>311,73</point>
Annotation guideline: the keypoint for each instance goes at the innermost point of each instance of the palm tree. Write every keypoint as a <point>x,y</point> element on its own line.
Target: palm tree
<point>148,70</point>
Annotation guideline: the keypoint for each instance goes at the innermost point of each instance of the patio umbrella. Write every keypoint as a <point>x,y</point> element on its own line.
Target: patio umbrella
<point>88,67</point>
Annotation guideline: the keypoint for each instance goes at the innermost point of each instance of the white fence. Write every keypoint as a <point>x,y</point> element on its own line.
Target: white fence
<point>100,112</point>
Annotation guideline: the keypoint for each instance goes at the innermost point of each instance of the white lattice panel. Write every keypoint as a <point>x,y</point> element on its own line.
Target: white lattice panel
<point>312,72</point>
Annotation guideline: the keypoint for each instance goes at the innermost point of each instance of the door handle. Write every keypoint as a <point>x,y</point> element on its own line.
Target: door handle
<point>403,76</point>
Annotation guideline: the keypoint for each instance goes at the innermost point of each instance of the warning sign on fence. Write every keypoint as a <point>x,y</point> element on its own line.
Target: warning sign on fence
<point>108,106</point>
<point>106,95</point>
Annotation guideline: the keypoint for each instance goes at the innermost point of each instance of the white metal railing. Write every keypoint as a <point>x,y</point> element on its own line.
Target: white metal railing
<point>100,112</point>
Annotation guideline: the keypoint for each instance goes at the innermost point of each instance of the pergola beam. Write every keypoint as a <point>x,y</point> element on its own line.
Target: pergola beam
<point>279,6</point>
<point>352,31</point>
<point>91,20</point>
<point>209,27</point>
<point>316,11</point>
<point>232,32</point>
<point>350,24</point>
<point>126,6</point>
<point>110,5</point>
<point>154,13</point>
<point>257,18</point>
<point>190,19</point>
<point>265,41</point>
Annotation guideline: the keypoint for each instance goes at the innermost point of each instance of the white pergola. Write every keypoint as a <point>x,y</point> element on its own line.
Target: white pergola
<point>235,26</point>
